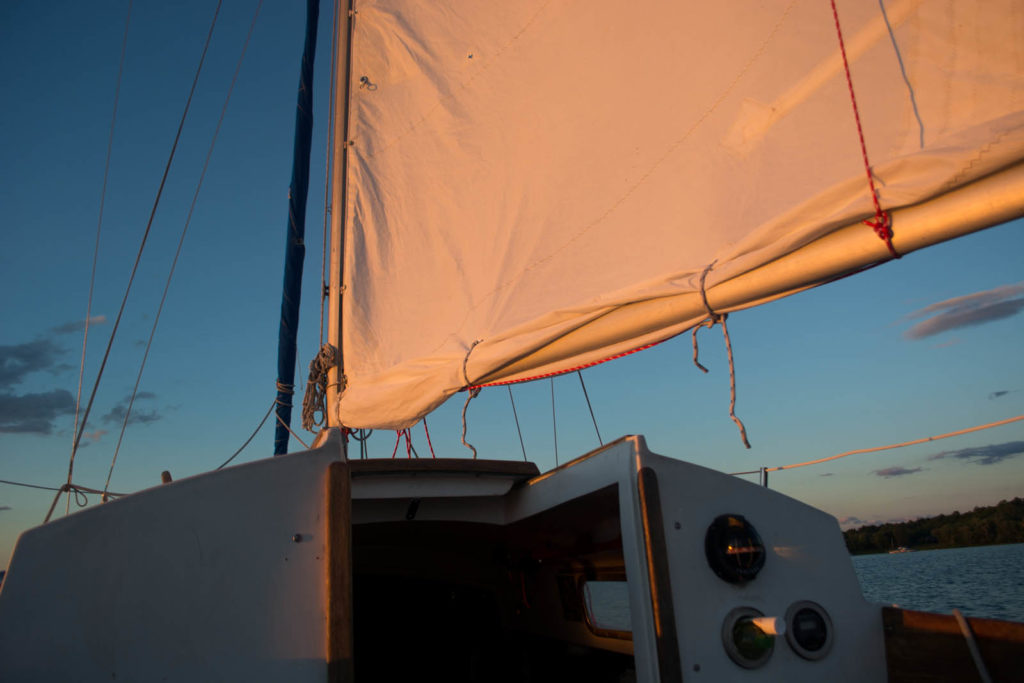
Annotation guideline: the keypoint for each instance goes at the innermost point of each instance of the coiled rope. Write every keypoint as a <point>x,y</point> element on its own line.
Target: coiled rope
<point>314,400</point>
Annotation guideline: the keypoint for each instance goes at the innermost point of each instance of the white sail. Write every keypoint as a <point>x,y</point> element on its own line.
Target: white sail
<point>552,179</point>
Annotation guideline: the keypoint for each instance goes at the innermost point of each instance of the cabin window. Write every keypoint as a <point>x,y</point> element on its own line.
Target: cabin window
<point>607,607</point>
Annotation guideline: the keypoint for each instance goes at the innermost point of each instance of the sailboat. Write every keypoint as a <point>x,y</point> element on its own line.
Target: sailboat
<point>521,190</point>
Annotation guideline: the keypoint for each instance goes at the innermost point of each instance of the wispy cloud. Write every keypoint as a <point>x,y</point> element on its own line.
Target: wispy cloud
<point>889,472</point>
<point>998,394</point>
<point>984,455</point>
<point>19,360</point>
<point>138,415</point>
<point>34,413</point>
<point>965,311</point>
<point>78,325</point>
<point>5,507</point>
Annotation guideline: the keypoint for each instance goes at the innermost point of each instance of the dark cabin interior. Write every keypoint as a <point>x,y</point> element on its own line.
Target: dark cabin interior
<point>465,601</point>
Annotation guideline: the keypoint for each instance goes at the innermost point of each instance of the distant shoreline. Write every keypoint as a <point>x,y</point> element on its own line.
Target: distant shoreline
<point>934,546</point>
<point>999,524</point>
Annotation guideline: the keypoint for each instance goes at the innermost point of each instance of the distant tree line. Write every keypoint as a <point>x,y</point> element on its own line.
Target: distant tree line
<point>1002,523</point>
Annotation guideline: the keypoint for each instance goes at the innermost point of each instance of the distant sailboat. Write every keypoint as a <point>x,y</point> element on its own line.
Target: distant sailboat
<point>522,189</point>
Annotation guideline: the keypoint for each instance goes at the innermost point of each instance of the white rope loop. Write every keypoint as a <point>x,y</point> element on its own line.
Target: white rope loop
<point>472,393</point>
<point>709,322</point>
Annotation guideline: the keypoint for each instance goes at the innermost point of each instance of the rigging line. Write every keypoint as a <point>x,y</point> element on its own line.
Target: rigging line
<point>181,243</point>
<point>516,416</point>
<point>327,175</point>
<point>282,423</point>
<point>145,236</point>
<point>96,248</point>
<point>427,432</point>
<point>882,223</point>
<point>554,423</point>
<point>251,437</point>
<point>31,486</point>
<point>590,407</point>
<point>81,500</point>
<point>860,451</point>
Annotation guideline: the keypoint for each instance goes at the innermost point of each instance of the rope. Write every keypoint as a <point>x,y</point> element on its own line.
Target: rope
<point>361,435</point>
<point>882,222</point>
<point>590,407</point>
<point>516,416</point>
<point>473,392</point>
<point>427,432</point>
<point>81,500</point>
<point>470,395</point>
<point>410,451</point>
<point>285,425</point>
<point>251,436</point>
<point>315,399</point>
<point>31,486</point>
<point>719,318</point>
<point>181,240</point>
<point>972,646</point>
<point>142,245</point>
<point>896,445</point>
<point>96,248</point>
<point>732,385</point>
<point>554,423</point>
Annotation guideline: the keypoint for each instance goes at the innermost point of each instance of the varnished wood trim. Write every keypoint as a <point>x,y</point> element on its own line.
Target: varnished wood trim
<point>669,665</point>
<point>922,646</point>
<point>338,524</point>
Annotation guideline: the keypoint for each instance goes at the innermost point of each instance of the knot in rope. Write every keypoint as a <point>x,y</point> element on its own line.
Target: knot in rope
<point>882,225</point>
<point>720,319</point>
<point>314,401</point>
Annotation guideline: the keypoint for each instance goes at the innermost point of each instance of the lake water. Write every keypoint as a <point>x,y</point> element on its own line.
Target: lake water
<point>986,581</point>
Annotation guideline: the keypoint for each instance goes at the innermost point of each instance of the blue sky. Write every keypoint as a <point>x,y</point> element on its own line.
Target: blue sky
<point>862,362</point>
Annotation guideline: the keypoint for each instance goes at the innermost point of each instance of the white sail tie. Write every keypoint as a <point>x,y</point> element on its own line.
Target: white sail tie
<point>720,318</point>
<point>471,394</point>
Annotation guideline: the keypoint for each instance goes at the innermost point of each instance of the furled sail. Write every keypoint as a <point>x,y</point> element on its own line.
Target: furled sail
<point>553,179</point>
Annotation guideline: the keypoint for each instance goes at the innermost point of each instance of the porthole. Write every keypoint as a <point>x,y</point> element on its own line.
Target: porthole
<point>809,629</point>
<point>745,642</point>
<point>734,549</point>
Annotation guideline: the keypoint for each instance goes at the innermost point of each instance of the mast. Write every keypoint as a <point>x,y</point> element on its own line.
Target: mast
<point>343,27</point>
<point>295,249</point>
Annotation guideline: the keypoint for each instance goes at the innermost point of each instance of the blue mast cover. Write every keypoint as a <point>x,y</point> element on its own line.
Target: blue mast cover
<point>295,249</point>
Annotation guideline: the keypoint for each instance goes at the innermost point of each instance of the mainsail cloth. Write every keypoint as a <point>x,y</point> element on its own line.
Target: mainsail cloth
<point>552,178</point>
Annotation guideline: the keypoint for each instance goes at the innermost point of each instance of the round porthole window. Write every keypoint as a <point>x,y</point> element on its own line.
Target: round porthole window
<point>745,641</point>
<point>809,629</point>
<point>734,549</point>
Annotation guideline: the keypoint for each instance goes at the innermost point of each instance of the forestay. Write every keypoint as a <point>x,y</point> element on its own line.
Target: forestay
<point>553,178</point>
